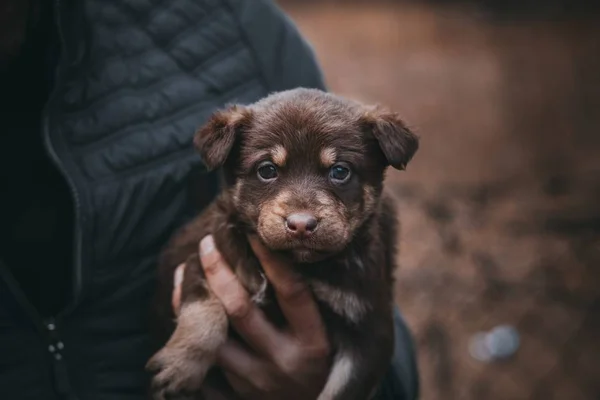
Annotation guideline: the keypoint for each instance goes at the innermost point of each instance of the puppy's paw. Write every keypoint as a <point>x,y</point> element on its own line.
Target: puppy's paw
<point>180,366</point>
<point>178,375</point>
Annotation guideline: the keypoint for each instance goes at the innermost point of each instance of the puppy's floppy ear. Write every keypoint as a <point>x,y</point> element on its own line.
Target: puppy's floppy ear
<point>396,141</point>
<point>215,139</point>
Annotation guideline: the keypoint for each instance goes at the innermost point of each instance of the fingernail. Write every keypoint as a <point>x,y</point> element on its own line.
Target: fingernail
<point>178,276</point>
<point>207,245</point>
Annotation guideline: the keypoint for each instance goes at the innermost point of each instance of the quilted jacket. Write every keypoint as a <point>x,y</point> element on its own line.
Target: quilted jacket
<point>135,78</point>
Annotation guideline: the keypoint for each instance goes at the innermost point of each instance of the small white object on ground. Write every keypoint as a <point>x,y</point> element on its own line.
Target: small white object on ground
<point>499,343</point>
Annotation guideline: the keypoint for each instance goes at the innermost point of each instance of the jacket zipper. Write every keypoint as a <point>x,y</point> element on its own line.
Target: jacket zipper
<point>77,249</point>
<point>61,375</point>
<point>34,315</point>
<point>50,327</point>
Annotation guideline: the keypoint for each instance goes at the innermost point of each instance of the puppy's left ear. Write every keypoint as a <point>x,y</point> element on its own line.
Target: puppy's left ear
<point>215,139</point>
<point>396,141</point>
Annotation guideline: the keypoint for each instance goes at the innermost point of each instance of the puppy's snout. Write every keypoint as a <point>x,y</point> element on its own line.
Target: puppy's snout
<point>301,224</point>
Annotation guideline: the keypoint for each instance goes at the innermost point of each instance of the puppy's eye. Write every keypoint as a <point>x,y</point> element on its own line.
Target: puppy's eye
<point>339,173</point>
<point>267,171</point>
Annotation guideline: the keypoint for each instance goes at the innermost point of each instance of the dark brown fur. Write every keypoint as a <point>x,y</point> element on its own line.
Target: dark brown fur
<point>348,261</point>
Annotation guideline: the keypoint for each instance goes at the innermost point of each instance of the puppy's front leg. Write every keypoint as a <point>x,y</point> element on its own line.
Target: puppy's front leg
<point>181,365</point>
<point>358,368</point>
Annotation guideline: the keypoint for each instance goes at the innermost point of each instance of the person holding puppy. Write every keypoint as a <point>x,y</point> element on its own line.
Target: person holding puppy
<point>100,100</point>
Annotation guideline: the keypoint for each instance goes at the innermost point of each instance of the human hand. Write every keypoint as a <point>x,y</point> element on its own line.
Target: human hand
<point>271,364</point>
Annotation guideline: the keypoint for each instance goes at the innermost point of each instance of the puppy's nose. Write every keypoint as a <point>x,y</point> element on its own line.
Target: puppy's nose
<point>301,224</point>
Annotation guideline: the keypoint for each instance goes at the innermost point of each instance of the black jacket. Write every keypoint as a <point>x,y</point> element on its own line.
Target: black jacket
<point>135,78</point>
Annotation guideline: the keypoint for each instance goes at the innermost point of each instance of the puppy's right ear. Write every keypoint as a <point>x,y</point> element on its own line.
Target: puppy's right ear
<point>215,139</point>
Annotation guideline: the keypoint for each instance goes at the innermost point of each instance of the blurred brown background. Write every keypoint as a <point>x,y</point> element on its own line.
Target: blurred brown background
<point>501,206</point>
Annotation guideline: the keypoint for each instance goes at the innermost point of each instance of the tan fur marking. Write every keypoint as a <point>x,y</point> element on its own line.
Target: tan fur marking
<point>328,157</point>
<point>273,212</point>
<point>279,204</point>
<point>279,155</point>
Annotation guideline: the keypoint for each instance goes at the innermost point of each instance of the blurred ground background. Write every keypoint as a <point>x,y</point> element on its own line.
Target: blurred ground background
<point>501,206</point>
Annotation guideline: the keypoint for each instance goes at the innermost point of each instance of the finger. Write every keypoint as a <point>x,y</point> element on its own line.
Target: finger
<point>293,296</point>
<point>248,320</point>
<point>245,372</point>
<point>177,280</point>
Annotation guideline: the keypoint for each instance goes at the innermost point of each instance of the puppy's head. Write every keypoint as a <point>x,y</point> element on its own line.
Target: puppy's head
<point>305,168</point>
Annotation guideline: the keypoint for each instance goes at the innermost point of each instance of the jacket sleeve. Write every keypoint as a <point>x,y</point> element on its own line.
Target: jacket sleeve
<point>285,58</point>
<point>402,379</point>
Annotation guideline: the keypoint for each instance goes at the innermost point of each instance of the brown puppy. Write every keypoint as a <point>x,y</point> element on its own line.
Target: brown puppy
<point>303,170</point>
